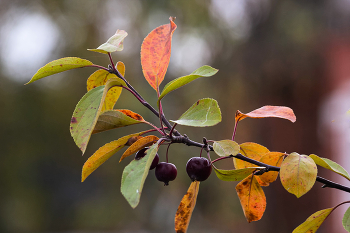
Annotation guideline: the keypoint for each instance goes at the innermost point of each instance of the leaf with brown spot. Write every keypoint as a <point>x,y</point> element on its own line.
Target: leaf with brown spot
<point>313,222</point>
<point>138,145</point>
<point>274,159</point>
<point>113,119</point>
<point>104,153</point>
<point>251,150</point>
<point>252,198</point>
<point>155,53</point>
<point>268,111</point>
<point>298,174</point>
<point>185,209</point>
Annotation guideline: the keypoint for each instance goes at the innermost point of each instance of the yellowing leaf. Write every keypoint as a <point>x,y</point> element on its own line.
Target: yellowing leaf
<point>60,65</point>
<point>251,150</point>
<point>346,220</point>
<point>235,175</point>
<point>113,119</point>
<point>99,78</point>
<point>226,148</point>
<point>313,222</point>
<point>252,198</point>
<point>104,153</point>
<point>138,145</point>
<point>185,209</point>
<point>330,165</point>
<point>114,43</point>
<point>268,111</point>
<point>155,53</point>
<point>298,174</point>
<point>274,159</point>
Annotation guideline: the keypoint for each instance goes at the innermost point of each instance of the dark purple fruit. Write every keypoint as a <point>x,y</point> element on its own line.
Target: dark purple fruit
<point>141,153</point>
<point>166,172</point>
<point>198,168</point>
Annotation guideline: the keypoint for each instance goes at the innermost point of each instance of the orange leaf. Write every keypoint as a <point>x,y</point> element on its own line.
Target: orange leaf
<point>268,111</point>
<point>155,53</point>
<point>274,159</point>
<point>252,198</point>
<point>138,145</point>
<point>131,114</point>
<point>251,150</point>
<point>185,209</point>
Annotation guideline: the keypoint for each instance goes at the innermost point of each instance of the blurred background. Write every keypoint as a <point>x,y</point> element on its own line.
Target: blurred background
<point>293,53</point>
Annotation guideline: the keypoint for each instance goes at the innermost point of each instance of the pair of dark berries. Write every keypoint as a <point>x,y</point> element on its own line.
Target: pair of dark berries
<point>198,168</point>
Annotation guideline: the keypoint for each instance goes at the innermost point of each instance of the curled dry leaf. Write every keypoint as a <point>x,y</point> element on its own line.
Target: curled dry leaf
<point>185,209</point>
<point>268,111</point>
<point>138,145</point>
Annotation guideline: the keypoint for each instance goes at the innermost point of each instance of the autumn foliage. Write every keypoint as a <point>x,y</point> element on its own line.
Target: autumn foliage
<point>255,165</point>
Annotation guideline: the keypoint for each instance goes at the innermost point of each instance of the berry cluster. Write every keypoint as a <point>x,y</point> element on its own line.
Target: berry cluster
<point>197,168</point>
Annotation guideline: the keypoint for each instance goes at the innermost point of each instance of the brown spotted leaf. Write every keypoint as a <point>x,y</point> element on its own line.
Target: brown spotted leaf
<point>113,119</point>
<point>313,222</point>
<point>104,153</point>
<point>155,53</point>
<point>298,174</point>
<point>268,111</point>
<point>138,145</point>
<point>252,198</point>
<point>185,209</point>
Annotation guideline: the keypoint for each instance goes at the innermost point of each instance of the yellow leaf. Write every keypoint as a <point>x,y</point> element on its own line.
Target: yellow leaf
<point>138,145</point>
<point>251,150</point>
<point>99,78</point>
<point>252,198</point>
<point>185,209</point>
<point>104,153</point>
<point>274,159</point>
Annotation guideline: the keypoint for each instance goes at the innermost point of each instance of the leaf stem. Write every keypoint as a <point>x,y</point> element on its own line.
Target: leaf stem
<point>234,131</point>
<point>111,60</point>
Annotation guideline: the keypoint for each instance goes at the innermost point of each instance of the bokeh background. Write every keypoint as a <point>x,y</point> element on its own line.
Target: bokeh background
<point>269,52</point>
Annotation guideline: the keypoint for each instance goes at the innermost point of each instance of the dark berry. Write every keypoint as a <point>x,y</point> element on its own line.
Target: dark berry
<point>198,168</point>
<point>141,153</point>
<point>166,172</point>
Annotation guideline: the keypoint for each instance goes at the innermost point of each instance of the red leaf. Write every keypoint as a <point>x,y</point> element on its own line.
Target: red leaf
<point>268,111</point>
<point>155,53</point>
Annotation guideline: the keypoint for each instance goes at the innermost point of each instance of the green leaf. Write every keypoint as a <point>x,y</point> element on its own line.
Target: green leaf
<point>204,71</point>
<point>134,176</point>
<point>104,153</point>
<point>235,175</point>
<point>346,220</point>
<point>330,165</point>
<point>298,174</point>
<point>113,119</point>
<point>87,111</point>
<point>60,65</point>
<point>226,148</point>
<point>115,43</point>
<point>313,222</point>
<point>204,112</point>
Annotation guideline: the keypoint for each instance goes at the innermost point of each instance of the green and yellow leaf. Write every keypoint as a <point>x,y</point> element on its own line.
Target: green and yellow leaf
<point>330,165</point>
<point>235,175</point>
<point>313,222</point>
<point>226,148</point>
<point>60,65</point>
<point>298,174</point>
